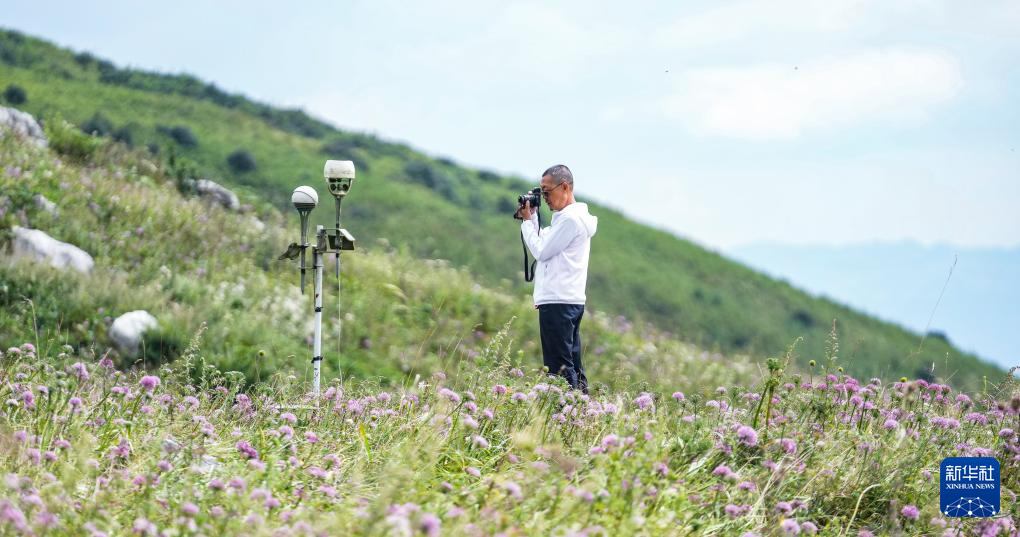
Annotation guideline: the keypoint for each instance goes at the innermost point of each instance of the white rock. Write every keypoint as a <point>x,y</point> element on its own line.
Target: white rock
<point>218,193</point>
<point>126,330</point>
<point>45,204</point>
<point>23,125</point>
<point>37,244</point>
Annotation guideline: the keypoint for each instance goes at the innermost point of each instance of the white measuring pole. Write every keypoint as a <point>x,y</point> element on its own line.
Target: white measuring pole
<point>317,347</point>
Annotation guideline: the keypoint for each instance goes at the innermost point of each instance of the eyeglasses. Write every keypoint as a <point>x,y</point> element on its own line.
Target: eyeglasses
<point>545,193</point>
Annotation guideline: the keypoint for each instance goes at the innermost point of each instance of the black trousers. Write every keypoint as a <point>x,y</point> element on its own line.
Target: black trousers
<point>560,325</point>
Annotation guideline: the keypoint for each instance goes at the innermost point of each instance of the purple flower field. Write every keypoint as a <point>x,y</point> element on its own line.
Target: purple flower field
<point>86,449</point>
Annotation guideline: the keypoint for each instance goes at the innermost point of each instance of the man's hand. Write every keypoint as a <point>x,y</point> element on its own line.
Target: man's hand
<point>524,212</point>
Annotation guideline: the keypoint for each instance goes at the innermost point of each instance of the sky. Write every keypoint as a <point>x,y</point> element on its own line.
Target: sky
<point>726,122</point>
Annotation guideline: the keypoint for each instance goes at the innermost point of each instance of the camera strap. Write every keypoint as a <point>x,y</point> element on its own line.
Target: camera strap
<point>530,276</point>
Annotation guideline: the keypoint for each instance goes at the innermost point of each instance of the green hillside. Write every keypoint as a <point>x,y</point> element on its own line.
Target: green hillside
<point>433,208</point>
<point>213,281</point>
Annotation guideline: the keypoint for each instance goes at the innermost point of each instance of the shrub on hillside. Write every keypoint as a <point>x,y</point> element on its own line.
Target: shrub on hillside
<point>180,134</point>
<point>15,95</point>
<point>425,174</point>
<point>506,205</point>
<point>125,135</point>
<point>97,125</point>
<point>71,142</point>
<point>487,176</point>
<point>84,59</point>
<point>241,161</point>
<point>341,147</point>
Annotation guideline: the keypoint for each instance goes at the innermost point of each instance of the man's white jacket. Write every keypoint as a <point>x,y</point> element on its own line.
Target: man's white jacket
<point>562,254</point>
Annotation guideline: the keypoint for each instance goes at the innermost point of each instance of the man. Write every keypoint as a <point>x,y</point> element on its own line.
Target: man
<point>562,254</point>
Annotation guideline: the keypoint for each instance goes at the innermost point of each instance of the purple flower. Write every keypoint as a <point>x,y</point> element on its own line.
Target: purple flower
<point>644,401</point>
<point>354,407</point>
<point>429,524</point>
<point>473,471</point>
<point>79,370</point>
<point>247,451</point>
<point>891,424</point>
<point>945,423</point>
<point>610,441</point>
<point>189,509</point>
<point>449,394</point>
<point>499,389</point>
<point>480,441</point>
<point>789,445</point>
<point>289,418</point>
<point>790,527</point>
<point>976,417</point>
<point>747,435</point>
<point>724,471</point>
<point>911,512</point>
<point>736,510</point>
<point>121,450</point>
<point>149,382</point>
<point>143,526</point>
<point>29,398</point>
<point>679,396</point>
<point>514,489</point>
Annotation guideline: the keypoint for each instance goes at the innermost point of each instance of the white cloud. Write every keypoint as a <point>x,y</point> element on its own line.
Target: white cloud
<point>784,101</point>
<point>738,20</point>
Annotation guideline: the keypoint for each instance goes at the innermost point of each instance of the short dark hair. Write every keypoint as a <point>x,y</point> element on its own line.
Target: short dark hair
<point>560,173</point>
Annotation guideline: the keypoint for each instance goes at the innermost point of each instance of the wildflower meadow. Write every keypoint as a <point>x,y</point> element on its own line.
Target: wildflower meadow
<point>487,448</point>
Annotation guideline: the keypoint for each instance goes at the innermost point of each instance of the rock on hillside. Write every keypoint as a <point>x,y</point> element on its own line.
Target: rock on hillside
<point>22,124</point>
<point>37,244</point>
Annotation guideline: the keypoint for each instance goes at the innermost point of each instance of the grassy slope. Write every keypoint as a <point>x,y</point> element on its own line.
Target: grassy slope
<point>636,271</point>
<point>190,263</point>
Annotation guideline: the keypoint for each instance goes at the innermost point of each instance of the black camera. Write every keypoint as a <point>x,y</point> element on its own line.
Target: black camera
<point>533,198</point>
